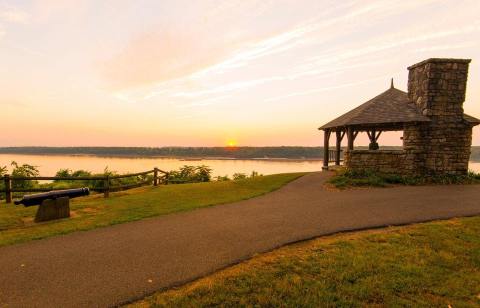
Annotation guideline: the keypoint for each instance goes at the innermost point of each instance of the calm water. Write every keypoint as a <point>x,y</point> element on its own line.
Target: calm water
<point>49,165</point>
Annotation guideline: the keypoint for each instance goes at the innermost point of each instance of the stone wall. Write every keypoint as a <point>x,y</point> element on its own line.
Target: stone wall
<point>385,161</point>
<point>437,87</point>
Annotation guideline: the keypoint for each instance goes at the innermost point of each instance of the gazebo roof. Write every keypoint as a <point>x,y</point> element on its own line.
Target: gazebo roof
<point>390,107</point>
<point>470,119</point>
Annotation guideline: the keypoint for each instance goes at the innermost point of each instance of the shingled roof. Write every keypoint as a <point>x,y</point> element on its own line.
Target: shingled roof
<point>392,106</point>
<point>470,119</point>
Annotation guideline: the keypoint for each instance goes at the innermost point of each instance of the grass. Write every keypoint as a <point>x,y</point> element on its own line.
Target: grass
<point>433,264</point>
<point>348,178</point>
<point>16,222</point>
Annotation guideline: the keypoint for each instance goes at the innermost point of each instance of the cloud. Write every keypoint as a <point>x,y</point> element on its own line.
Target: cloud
<point>162,55</point>
<point>322,89</point>
<point>445,47</point>
<point>46,11</point>
<point>206,102</point>
<point>12,14</point>
<point>201,66</point>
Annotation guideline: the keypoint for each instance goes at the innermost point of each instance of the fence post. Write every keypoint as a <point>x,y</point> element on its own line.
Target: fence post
<point>155,176</point>
<point>8,188</point>
<point>106,186</point>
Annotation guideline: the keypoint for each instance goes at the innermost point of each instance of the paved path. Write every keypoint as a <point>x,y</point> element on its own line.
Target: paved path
<point>113,265</point>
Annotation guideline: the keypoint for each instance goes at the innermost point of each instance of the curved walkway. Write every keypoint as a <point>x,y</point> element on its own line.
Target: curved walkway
<point>118,264</point>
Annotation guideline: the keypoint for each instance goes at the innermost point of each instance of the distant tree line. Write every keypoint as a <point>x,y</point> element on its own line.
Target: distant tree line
<point>194,152</point>
<point>293,152</point>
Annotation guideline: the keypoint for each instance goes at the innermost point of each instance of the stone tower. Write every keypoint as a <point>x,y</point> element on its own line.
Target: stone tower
<point>437,87</point>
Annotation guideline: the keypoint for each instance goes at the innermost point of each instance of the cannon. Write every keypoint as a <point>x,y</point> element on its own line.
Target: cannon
<point>37,199</point>
<point>54,204</point>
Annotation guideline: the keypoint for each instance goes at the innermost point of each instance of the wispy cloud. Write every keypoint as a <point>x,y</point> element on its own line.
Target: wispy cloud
<point>206,102</point>
<point>323,89</point>
<point>444,47</point>
<point>161,56</point>
<point>373,48</point>
<point>310,32</point>
<point>330,63</point>
<point>192,115</point>
<point>13,14</point>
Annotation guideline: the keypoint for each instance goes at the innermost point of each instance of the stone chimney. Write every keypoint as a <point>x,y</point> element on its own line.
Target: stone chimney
<point>442,146</point>
<point>437,86</point>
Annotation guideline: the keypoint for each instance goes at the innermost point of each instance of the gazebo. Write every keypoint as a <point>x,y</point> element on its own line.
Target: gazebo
<point>437,135</point>
<point>389,111</point>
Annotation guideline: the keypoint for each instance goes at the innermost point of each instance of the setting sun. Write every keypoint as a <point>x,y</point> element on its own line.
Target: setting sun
<point>231,143</point>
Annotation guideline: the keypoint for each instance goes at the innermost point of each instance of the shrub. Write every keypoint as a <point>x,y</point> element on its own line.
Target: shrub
<point>190,174</point>
<point>222,178</point>
<point>243,176</point>
<point>239,176</point>
<point>345,178</point>
<point>24,170</point>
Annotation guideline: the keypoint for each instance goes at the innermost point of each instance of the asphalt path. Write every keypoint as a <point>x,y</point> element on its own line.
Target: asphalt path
<point>118,264</point>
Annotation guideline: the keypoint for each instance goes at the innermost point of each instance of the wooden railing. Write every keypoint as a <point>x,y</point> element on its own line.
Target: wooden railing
<point>332,155</point>
<point>159,177</point>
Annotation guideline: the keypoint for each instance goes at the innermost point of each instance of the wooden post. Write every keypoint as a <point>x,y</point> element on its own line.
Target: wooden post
<point>338,146</point>
<point>350,137</point>
<point>155,176</point>
<point>106,186</point>
<point>8,188</point>
<point>373,136</point>
<point>326,140</point>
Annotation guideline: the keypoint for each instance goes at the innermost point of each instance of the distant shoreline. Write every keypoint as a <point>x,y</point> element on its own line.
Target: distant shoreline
<point>277,154</point>
<point>181,158</point>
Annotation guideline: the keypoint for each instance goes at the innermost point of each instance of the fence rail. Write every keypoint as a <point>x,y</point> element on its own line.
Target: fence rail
<point>332,156</point>
<point>159,177</point>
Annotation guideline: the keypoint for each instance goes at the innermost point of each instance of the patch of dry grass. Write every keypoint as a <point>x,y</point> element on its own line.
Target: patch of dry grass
<point>424,265</point>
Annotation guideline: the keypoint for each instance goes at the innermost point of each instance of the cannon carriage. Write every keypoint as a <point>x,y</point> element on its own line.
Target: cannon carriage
<point>54,204</point>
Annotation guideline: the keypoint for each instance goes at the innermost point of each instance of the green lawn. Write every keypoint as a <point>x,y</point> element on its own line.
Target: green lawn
<point>425,265</point>
<point>16,222</point>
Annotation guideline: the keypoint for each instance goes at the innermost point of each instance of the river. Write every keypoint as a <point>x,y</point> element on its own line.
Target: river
<point>48,165</point>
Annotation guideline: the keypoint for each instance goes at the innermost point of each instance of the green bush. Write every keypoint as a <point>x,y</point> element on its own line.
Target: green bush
<point>94,184</point>
<point>239,176</point>
<point>348,178</point>
<point>190,174</point>
<point>24,170</point>
<point>222,178</point>
<point>3,171</point>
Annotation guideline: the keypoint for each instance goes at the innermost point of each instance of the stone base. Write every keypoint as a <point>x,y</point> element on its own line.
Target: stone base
<point>53,209</point>
<point>382,161</point>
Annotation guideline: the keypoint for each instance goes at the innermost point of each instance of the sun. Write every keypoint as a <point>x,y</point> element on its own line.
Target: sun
<point>231,143</point>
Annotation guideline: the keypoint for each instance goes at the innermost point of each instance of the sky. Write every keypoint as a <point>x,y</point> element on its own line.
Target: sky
<point>210,73</point>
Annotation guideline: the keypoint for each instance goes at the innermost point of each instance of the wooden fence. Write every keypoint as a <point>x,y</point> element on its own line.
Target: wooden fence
<point>159,177</point>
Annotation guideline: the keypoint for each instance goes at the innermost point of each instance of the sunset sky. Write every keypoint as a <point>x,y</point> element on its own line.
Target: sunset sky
<point>208,73</point>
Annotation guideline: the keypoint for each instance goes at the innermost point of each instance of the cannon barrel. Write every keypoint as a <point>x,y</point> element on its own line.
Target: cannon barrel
<point>37,199</point>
